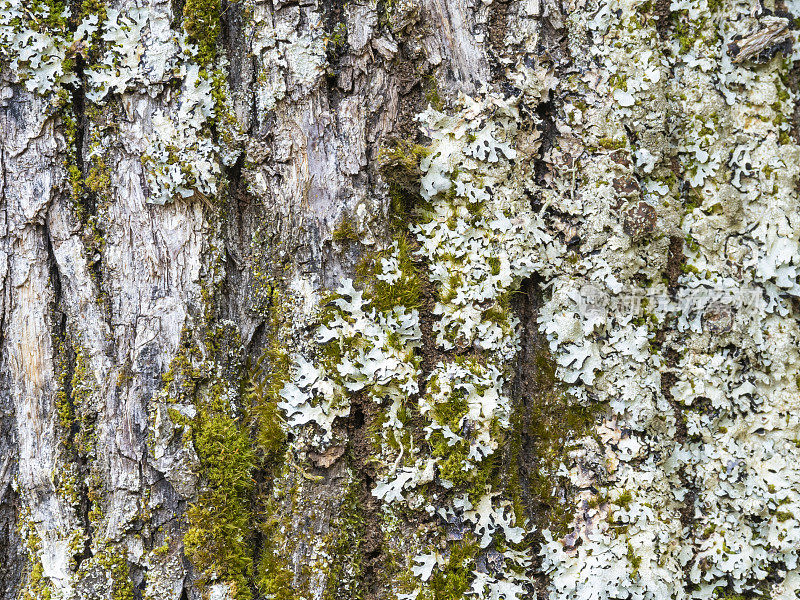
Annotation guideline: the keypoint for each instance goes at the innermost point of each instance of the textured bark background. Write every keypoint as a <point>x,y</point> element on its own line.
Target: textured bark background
<point>595,304</point>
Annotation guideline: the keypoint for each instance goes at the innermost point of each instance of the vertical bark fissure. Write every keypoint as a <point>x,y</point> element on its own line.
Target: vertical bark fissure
<point>533,390</point>
<point>66,359</point>
<point>11,554</point>
<point>359,451</point>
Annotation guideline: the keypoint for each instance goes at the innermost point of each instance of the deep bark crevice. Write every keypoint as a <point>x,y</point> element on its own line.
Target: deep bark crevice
<point>11,556</point>
<point>675,262</point>
<point>545,113</point>
<point>532,384</point>
<point>66,360</point>
<point>662,13</point>
<point>498,23</point>
<point>86,200</point>
<point>359,452</point>
<point>78,102</point>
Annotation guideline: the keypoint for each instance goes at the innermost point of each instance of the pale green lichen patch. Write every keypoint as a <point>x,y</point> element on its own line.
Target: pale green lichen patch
<point>677,526</point>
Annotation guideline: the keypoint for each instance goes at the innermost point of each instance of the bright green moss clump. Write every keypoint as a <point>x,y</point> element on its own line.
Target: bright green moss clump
<point>455,467</point>
<point>37,586</point>
<point>82,386</point>
<point>345,232</point>
<point>263,396</point>
<point>238,435</point>
<point>218,540</point>
<point>266,378</point>
<point>399,167</point>
<point>49,16</point>
<point>406,291</point>
<point>73,402</point>
<point>275,580</point>
<point>201,23</point>
<point>454,580</point>
<point>114,561</point>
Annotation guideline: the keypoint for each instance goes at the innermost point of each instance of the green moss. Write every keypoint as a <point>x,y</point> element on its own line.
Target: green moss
<point>691,243</point>
<point>494,264</point>
<point>618,81</point>
<point>73,401</point>
<point>184,372</point>
<point>783,516</point>
<point>162,550</point>
<point>548,421</point>
<point>449,291</point>
<point>49,16</point>
<point>201,21</point>
<point>454,466</point>
<point>275,576</point>
<point>335,43</point>
<point>406,291</point>
<point>263,397</point>
<point>232,506</point>
<point>115,563</point>
<point>275,580</point>
<point>451,411</point>
<point>454,580</point>
<point>99,178</point>
<point>432,94</point>
<point>36,586</point>
<point>345,232</point>
<point>634,560</point>
<point>218,539</point>
<point>64,407</point>
<point>399,167</point>
<point>687,268</point>
<point>266,378</point>
<point>612,144</point>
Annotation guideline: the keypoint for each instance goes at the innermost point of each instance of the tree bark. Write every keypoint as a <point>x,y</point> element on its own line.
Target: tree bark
<point>399,299</point>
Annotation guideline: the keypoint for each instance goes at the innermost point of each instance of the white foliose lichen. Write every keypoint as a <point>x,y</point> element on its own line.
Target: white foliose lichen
<point>672,309</point>
<point>694,462</point>
<point>368,350</point>
<point>478,238</point>
<point>137,51</point>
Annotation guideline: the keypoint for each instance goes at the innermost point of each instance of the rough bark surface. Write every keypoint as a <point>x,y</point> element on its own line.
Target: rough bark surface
<point>409,299</point>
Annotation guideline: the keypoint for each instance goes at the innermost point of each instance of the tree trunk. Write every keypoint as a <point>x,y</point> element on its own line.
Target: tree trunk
<point>408,299</point>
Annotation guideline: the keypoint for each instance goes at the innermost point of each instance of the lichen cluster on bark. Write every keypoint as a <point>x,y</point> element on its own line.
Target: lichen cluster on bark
<point>403,299</point>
